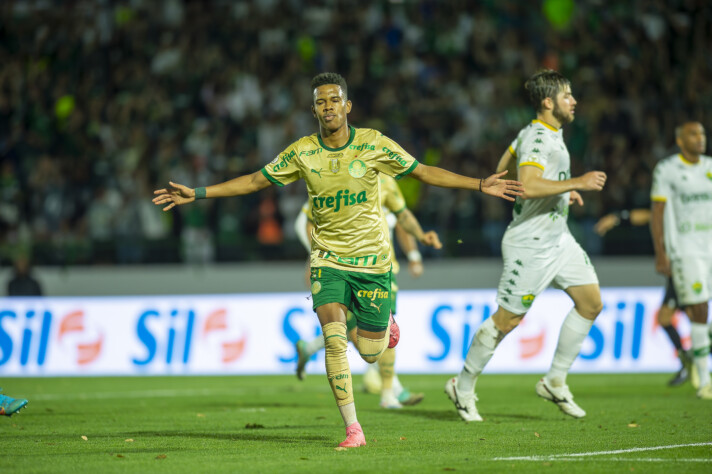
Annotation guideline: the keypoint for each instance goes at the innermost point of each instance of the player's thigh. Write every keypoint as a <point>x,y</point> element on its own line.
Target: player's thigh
<point>692,277</point>
<point>370,301</point>
<point>525,274</point>
<point>505,320</point>
<point>331,294</point>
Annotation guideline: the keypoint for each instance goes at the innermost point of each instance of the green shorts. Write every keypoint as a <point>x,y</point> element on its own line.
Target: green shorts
<point>366,295</point>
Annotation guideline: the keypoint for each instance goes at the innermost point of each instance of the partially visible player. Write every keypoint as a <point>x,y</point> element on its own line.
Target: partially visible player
<point>383,379</point>
<point>9,406</point>
<point>538,249</point>
<point>682,235</point>
<point>669,306</point>
<point>350,252</point>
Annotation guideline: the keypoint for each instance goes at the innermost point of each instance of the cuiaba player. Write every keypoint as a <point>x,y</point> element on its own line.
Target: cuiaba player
<point>682,236</point>
<point>538,249</point>
<point>381,379</point>
<point>350,252</point>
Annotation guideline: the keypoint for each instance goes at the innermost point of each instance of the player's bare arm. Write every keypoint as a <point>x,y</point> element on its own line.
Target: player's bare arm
<point>504,161</point>
<point>537,187</point>
<point>492,185</point>
<point>410,224</point>
<point>179,194</point>
<point>410,247</point>
<point>662,262</point>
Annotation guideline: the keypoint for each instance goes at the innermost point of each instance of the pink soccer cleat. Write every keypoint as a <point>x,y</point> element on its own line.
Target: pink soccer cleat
<point>395,334</point>
<point>354,437</point>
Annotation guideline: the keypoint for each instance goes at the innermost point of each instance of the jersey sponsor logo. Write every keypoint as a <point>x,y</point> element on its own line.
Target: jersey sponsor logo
<point>363,146</point>
<point>357,169</point>
<point>310,152</point>
<point>364,261</point>
<point>338,377</point>
<point>334,155</point>
<point>527,300</point>
<point>282,160</point>
<point>373,295</point>
<point>395,156</point>
<point>335,202</point>
<point>696,197</point>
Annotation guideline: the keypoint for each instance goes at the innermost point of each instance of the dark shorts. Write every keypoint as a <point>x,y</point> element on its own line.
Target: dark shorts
<point>366,295</point>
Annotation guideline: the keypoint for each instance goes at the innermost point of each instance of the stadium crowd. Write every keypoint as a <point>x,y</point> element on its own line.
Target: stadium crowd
<point>101,101</point>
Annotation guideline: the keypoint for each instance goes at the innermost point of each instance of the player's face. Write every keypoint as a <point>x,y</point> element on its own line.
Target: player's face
<point>564,106</point>
<point>330,106</point>
<point>692,139</point>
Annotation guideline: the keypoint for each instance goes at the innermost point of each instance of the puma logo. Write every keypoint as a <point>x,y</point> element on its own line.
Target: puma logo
<point>378,307</point>
<point>317,172</point>
<point>343,389</point>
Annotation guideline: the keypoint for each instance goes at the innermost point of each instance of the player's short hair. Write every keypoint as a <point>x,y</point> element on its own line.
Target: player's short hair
<point>329,78</point>
<point>681,127</point>
<point>544,83</point>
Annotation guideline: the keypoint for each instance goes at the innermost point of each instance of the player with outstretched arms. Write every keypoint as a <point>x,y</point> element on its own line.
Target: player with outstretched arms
<point>350,252</point>
<point>538,249</point>
<point>682,236</point>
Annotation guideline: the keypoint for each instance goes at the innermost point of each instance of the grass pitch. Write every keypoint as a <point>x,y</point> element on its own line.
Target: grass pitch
<point>278,424</point>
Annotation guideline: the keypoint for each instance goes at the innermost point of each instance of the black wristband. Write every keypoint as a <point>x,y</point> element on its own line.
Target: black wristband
<point>481,184</point>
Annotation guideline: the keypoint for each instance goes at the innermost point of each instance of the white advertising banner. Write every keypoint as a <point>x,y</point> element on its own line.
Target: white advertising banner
<point>255,334</point>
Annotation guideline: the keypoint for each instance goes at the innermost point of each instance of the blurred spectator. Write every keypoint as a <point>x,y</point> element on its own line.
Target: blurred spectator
<point>22,282</point>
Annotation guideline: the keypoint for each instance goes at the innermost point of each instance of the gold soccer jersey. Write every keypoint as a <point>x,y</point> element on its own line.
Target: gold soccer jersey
<point>350,231</point>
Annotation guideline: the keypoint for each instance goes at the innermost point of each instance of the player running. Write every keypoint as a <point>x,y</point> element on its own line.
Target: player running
<point>383,379</point>
<point>350,252</point>
<point>682,235</point>
<point>538,249</point>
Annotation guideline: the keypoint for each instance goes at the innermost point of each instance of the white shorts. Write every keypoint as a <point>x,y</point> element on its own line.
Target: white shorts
<point>528,271</point>
<point>692,277</point>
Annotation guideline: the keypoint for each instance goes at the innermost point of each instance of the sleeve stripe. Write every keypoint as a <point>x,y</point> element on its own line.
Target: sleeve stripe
<point>511,150</point>
<point>400,210</point>
<point>531,163</point>
<point>659,199</point>
<point>408,171</point>
<point>270,178</point>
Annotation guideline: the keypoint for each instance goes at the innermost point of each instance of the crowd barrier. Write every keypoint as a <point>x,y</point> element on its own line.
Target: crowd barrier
<point>255,334</point>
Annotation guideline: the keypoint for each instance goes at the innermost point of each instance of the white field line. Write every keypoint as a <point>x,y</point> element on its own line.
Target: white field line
<point>670,460</point>
<point>163,393</point>
<point>574,456</point>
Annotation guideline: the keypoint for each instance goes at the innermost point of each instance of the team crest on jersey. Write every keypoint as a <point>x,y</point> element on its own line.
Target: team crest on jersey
<point>357,169</point>
<point>697,287</point>
<point>527,300</point>
<point>334,165</point>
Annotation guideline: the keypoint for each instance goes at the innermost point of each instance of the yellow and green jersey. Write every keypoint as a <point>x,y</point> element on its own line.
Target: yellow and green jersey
<point>350,230</point>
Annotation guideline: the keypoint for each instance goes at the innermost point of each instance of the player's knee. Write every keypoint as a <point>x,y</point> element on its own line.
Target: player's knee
<point>371,349</point>
<point>591,309</point>
<point>335,338</point>
<point>505,321</point>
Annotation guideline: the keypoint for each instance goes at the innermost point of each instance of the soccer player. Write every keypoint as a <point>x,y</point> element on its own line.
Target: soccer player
<point>669,304</point>
<point>350,252</point>
<point>539,250</point>
<point>682,235</point>
<point>398,217</point>
<point>9,406</point>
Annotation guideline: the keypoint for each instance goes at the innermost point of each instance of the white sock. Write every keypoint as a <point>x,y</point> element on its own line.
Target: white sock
<point>573,333</point>
<point>315,345</point>
<point>397,387</point>
<point>481,349</point>
<point>700,350</point>
<point>348,413</point>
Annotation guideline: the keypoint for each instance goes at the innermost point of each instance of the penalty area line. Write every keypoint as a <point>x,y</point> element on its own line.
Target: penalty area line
<point>574,456</point>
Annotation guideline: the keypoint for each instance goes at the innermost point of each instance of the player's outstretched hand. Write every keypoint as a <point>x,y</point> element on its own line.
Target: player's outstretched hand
<point>176,196</point>
<point>431,239</point>
<point>593,181</point>
<point>575,198</point>
<point>415,269</point>
<point>605,224</point>
<point>504,188</point>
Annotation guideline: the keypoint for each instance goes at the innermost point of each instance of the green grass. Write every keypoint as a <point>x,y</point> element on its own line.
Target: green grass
<point>278,424</point>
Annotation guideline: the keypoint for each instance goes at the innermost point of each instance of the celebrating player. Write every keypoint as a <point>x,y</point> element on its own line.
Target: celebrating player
<point>407,228</point>
<point>539,250</point>
<point>682,235</point>
<point>350,252</point>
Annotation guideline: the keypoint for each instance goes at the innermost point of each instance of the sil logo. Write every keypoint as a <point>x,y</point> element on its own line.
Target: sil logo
<point>527,300</point>
<point>89,341</point>
<point>216,324</point>
<point>697,287</point>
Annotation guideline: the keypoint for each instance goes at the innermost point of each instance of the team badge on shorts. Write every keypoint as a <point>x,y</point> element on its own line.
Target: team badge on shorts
<point>357,169</point>
<point>527,300</point>
<point>709,175</point>
<point>697,287</point>
<point>316,287</point>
